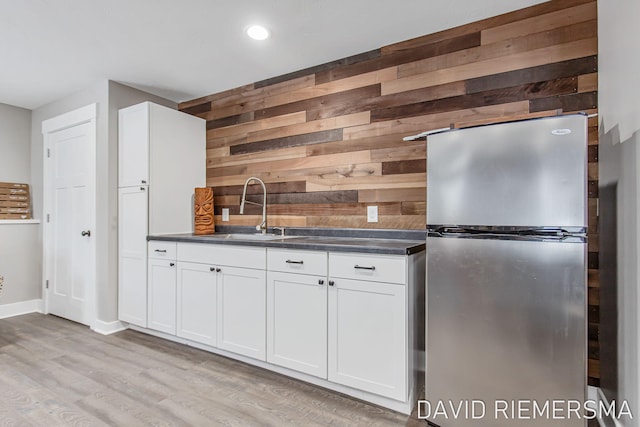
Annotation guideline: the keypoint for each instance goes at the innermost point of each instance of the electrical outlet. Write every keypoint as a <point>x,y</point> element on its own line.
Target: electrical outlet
<point>225,214</point>
<point>372,214</point>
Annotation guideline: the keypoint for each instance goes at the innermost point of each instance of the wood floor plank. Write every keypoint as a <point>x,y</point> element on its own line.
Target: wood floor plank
<point>76,377</point>
<point>41,406</point>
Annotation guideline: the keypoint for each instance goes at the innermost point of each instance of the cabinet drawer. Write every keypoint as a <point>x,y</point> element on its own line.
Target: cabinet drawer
<point>233,256</point>
<point>160,250</point>
<point>378,268</point>
<point>303,262</point>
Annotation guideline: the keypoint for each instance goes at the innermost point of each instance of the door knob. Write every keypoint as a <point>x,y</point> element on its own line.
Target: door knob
<point>86,233</point>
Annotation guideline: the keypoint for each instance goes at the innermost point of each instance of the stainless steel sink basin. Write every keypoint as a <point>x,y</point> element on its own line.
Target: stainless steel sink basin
<point>256,236</point>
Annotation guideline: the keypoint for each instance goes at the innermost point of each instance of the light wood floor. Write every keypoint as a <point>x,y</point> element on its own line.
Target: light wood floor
<point>54,372</point>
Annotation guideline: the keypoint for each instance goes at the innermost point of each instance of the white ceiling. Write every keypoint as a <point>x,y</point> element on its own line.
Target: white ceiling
<point>184,49</point>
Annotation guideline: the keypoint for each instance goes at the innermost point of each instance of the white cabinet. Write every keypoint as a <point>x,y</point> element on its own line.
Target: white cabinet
<point>238,311</point>
<point>242,311</point>
<point>367,336</point>
<point>197,302</point>
<point>166,150</point>
<point>133,145</point>
<point>162,289</point>
<point>350,327</point>
<point>297,310</point>
<point>161,156</point>
<point>368,333</point>
<point>132,250</point>
<point>297,322</point>
<point>347,321</point>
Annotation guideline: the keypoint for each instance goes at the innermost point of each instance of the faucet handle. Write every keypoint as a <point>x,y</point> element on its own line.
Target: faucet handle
<point>281,230</point>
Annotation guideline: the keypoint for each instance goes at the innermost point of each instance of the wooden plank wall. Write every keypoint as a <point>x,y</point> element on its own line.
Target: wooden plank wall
<point>328,140</point>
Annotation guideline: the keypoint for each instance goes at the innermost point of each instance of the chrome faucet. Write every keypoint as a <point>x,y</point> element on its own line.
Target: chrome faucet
<point>263,225</point>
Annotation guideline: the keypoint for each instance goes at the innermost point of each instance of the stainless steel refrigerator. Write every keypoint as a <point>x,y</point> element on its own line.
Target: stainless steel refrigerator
<point>506,272</point>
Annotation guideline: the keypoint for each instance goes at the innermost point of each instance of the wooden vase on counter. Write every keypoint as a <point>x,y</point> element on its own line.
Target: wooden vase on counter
<point>203,211</point>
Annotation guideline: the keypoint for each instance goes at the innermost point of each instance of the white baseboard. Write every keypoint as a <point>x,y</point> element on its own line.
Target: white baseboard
<point>108,328</point>
<point>22,307</point>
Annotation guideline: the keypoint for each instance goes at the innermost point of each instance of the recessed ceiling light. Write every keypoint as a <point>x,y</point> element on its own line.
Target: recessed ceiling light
<point>258,32</point>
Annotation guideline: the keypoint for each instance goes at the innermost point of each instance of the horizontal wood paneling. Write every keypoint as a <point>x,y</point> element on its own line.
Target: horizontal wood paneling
<point>545,22</point>
<point>501,49</point>
<point>334,102</point>
<point>288,141</point>
<point>327,140</point>
<point>401,57</point>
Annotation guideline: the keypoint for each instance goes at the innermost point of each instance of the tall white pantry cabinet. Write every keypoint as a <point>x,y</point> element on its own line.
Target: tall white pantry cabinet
<point>161,159</point>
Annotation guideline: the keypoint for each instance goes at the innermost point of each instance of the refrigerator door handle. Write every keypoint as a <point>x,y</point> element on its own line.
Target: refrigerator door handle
<point>547,234</point>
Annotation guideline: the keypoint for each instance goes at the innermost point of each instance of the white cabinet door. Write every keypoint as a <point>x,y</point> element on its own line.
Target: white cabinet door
<point>242,311</point>
<point>297,322</point>
<point>133,145</point>
<point>177,153</point>
<point>162,295</point>
<point>132,255</point>
<point>367,336</point>
<point>196,302</point>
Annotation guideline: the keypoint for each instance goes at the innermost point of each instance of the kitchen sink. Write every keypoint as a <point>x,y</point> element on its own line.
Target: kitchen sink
<point>256,236</point>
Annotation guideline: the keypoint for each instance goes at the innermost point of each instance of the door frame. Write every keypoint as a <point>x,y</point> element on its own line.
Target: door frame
<point>86,114</point>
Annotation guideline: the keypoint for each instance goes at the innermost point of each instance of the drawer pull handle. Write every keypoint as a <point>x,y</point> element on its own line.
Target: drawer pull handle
<point>171,264</point>
<point>294,262</point>
<point>212,269</point>
<point>359,267</point>
<point>331,283</point>
<point>164,251</point>
<point>218,270</point>
<point>320,282</point>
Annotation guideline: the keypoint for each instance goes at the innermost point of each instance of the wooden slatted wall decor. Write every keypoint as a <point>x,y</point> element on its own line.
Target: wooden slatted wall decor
<point>327,140</point>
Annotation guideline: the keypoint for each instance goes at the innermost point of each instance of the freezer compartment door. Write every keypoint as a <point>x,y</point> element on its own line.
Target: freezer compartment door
<point>527,173</point>
<point>505,322</point>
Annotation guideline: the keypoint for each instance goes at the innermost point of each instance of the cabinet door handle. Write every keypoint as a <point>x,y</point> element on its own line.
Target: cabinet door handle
<point>294,262</point>
<point>331,283</point>
<point>320,282</point>
<point>218,270</point>
<point>162,251</point>
<point>359,267</point>
<point>171,264</point>
<point>142,189</point>
<point>212,269</point>
<point>143,181</point>
<point>86,233</point>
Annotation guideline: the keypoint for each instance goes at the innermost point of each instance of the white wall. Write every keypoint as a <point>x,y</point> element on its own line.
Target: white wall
<point>110,97</point>
<point>15,133</point>
<point>619,112</point>
<point>18,242</point>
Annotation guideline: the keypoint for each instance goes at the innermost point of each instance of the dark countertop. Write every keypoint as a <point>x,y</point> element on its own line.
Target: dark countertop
<point>391,242</point>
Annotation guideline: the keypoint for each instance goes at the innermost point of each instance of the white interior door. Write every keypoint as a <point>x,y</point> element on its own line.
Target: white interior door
<point>69,233</point>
